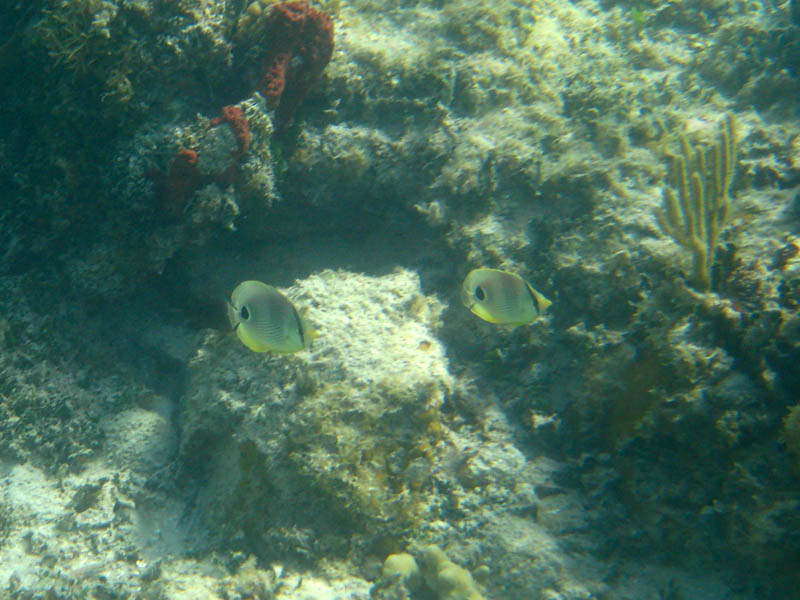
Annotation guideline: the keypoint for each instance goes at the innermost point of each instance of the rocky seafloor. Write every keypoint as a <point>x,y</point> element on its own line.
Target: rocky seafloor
<point>642,440</point>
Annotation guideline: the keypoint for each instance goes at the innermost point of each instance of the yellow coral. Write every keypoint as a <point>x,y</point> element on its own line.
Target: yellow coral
<point>402,566</point>
<point>697,204</point>
<point>446,578</point>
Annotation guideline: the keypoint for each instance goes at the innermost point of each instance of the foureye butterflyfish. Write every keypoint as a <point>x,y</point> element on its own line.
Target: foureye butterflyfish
<point>266,320</point>
<point>501,297</point>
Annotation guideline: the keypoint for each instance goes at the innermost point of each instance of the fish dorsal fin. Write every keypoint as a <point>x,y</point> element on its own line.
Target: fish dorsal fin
<point>540,302</point>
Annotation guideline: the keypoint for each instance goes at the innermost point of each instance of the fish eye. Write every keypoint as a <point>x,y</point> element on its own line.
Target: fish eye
<point>479,293</point>
<point>244,313</point>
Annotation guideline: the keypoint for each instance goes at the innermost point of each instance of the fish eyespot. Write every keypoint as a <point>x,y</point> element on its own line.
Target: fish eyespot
<point>479,293</point>
<point>244,313</point>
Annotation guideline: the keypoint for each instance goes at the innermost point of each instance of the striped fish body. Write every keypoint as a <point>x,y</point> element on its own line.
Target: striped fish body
<point>502,298</point>
<point>266,321</point>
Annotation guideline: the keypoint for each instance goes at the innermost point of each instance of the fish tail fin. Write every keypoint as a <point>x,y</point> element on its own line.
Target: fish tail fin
<point>309,331</point>
<point>542,303</point>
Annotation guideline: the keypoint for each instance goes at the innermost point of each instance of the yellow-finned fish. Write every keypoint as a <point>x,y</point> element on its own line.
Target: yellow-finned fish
<point>502,297</point>
<point>266,320</point>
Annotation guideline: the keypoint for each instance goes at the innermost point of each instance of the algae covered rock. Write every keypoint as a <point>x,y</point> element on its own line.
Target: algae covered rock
<point>330,437</point>
<point>140,440</point>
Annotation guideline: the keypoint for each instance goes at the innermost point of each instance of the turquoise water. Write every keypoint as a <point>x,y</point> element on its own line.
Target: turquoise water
<point>635,164</point>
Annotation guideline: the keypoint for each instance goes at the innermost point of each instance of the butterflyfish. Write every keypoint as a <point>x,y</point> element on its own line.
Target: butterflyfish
<point>501,297</point>
<point>266,320</point>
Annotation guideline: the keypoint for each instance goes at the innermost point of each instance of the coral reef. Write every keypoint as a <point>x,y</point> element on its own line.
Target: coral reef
<point>637,443</point>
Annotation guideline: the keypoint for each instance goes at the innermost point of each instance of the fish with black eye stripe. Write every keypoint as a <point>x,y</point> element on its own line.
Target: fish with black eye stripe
<point>502,298</point>
<point>266,320</point>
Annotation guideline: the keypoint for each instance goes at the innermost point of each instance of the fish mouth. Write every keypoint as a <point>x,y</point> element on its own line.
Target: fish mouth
<point>467,299</point>
<point>233,315</point>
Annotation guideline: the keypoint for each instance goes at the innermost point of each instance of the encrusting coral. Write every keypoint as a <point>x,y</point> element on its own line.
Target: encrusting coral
<point>695,214</point>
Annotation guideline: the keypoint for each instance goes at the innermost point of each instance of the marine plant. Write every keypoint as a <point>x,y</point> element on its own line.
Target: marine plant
<point>697,201</point>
